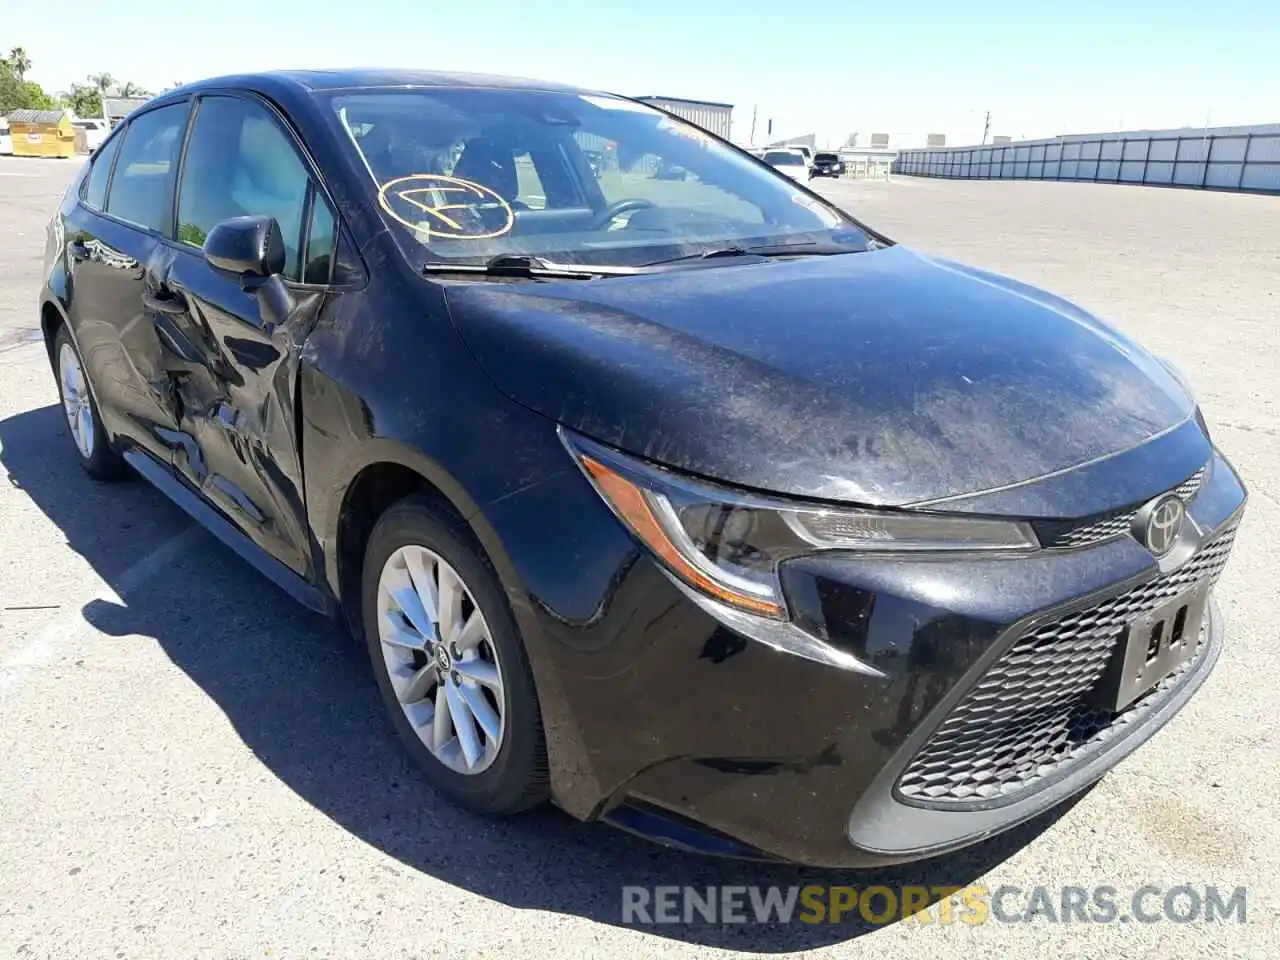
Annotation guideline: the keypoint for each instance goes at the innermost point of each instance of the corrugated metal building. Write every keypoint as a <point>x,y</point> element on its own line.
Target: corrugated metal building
<point>712,117</point>
<point>809,140</point>
<point>116,109</point>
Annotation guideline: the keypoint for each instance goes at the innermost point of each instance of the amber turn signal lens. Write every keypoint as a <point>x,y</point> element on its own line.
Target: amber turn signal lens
<point>631,505</point>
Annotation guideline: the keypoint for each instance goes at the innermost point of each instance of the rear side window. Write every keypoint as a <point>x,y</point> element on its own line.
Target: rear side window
<point>140,187</point>
<point>95,190</point>
<point>239,163</point>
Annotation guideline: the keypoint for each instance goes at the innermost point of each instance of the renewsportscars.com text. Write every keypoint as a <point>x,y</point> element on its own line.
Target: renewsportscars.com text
<point>936,905</point>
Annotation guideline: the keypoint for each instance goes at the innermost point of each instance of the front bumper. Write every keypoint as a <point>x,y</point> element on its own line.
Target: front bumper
<point>657,712</point>
<point>885,827</point>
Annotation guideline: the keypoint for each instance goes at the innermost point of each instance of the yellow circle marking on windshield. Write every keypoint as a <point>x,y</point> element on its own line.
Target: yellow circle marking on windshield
<point>436,197</point>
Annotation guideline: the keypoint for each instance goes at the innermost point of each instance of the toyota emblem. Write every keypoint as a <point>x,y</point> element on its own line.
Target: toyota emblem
<point>1163,524</point>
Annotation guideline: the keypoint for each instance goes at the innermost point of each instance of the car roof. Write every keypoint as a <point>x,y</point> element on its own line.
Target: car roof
<point>345,79</point>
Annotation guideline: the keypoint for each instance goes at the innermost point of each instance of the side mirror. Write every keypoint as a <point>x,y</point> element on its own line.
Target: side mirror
<point>251,248</point>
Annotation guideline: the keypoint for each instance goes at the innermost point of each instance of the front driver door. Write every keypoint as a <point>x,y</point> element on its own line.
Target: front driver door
<point>234,363</point>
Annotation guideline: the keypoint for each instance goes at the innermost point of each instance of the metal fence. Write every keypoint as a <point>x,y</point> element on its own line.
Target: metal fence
<point>867,168</point>
<point>1222,158</point>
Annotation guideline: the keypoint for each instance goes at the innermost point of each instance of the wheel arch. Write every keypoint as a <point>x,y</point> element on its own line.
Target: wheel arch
<point>386,475</point>
<point>52,318</point>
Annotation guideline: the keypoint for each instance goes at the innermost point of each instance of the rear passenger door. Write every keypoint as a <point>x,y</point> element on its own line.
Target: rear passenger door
<point>235,369</point>
<point>119,227</point>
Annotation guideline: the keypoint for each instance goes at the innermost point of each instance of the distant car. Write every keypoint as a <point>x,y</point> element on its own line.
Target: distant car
<point>790,162</point>
<point>670,171</point>
<point>595,160</point>
<point>95,131</point>
<point>804,150</point>
<point>826,165</point>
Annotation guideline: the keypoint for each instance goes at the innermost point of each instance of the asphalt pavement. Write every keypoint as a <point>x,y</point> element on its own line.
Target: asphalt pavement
<point>195,767</point>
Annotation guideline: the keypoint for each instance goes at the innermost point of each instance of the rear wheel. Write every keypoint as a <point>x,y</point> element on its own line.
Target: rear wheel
<point>81,410</point>
<point>450,664</point>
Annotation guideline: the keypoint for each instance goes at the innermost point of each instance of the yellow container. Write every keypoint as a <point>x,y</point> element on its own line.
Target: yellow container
<point>44,133</point>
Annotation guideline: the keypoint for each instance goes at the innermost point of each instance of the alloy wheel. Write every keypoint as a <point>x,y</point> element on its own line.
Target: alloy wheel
<point>75,400</point>
<point>441,659</point>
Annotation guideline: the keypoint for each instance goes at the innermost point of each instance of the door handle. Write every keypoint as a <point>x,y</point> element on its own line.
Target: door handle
<point>164,302</point>
<point>177,343</point>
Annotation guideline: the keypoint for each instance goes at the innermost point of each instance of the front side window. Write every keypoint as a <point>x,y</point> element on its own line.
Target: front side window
<point>464,175</point>
<point>95,190</point>
<point>239,163</point>
<point>321,238</point>
<point>148,156</point>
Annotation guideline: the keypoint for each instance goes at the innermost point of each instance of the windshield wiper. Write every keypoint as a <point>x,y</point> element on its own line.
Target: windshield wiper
<point>524,266</point>
<point>803,248</point>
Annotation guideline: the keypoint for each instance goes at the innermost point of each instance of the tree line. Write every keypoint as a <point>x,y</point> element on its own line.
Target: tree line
<point>83,99</point>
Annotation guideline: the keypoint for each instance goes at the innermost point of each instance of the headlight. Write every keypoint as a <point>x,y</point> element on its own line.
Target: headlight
<point>728,545</point>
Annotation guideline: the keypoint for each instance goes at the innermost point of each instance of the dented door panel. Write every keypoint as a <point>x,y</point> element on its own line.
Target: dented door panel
<point>234,406</point>
<point>106,265</point>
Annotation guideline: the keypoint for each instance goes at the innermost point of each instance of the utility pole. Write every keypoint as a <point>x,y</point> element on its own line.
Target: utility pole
<point>752,141</point>
<point>986,128</point>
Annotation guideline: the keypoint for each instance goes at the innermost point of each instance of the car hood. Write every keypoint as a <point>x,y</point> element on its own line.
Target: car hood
<point>883,378</point>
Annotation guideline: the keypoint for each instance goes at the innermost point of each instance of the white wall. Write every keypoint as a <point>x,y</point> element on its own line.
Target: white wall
<point>1230,158</point>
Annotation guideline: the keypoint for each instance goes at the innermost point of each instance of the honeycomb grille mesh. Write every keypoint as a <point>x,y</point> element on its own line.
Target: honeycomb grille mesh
<point>1030,716</point>
<point>1117,524</point>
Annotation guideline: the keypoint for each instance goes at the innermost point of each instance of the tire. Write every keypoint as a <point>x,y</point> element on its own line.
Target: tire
<point>515,777</point>
<point>88,437</point>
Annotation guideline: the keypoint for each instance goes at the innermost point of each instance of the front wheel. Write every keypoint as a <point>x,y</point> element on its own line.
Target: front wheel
<point>450,664</point>
<point>81,410</point>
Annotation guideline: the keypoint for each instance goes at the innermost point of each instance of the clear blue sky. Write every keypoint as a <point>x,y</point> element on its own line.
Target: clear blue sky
<point>908,69</point>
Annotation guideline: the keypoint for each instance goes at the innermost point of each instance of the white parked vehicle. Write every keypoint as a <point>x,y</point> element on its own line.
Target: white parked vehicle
<point>6,141</point>
<point>95,131</point>
<point>805,150</point>
<point>787,160</point>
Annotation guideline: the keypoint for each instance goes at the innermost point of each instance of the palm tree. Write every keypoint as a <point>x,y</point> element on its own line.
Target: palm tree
<point>102,81</point>
<point>131,89</point>
<point>19,63</point>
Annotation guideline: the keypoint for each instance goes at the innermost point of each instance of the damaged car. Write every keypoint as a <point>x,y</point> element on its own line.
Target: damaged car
<point>693,505</point>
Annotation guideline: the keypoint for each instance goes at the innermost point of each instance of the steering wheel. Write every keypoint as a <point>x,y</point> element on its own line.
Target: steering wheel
<point>619,207</point>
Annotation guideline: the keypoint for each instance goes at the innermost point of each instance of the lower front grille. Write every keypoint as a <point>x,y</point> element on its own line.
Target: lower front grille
<point>1031,716</point>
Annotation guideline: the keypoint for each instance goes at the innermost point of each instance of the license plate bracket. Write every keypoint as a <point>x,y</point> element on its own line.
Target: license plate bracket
<point>1152,647</point>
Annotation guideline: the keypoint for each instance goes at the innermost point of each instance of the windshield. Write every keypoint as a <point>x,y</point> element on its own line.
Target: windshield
<point>466,175</point>
<point>826,158</point>
<point>784,159</point>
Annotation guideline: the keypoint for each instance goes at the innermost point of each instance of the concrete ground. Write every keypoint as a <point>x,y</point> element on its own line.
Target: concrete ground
<point>193,767</point>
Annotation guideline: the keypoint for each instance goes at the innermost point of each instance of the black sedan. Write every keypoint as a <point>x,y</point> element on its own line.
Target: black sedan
<point>692,505</point>
<point>826,165</point>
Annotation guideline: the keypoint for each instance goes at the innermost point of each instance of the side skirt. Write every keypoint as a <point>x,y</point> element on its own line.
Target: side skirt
<point>213,521</point>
